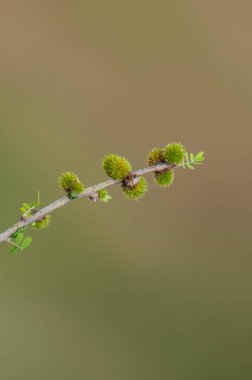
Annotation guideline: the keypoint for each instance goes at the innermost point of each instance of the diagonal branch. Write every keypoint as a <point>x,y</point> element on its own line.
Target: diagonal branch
<point>88,192</point>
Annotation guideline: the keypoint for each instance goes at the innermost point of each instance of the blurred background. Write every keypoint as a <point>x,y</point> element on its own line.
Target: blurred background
<point>155,289</point>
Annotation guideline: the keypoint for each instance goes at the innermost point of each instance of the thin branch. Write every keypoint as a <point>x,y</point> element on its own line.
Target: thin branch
<point>88,192</point>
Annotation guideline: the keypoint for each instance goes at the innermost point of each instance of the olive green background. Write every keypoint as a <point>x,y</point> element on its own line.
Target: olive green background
<point>156,289</point>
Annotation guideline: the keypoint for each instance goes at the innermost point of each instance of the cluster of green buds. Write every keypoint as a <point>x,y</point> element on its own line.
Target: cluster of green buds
<point>172,154</point>
<point>134,186</point>
<point>119,168</point>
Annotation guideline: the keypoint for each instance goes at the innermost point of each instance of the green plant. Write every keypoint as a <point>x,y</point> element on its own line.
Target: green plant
<point>161,161</point>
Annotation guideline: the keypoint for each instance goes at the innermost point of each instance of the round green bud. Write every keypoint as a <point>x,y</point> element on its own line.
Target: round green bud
<point>136,191</point>
<point>156,156</point>
<point>174,153</point>
<point>70,183</point>
<point>41,223</point>
<point>116,167</point>
<point>164,178</point>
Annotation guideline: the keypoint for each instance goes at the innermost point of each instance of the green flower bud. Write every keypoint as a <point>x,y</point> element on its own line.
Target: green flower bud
<point>164,178</point>
<point>174,153</point>
<point>116,167</point>
<point>41,223</point>
<point>156,156</point>
<point>70,183</point>
<point>135,188</point>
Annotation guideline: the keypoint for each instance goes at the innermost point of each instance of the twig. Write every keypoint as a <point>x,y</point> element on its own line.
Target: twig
<point>88,192</point>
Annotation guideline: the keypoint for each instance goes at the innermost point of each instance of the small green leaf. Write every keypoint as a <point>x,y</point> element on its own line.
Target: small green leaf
<point>14,249</point>
<point>187,156</point>
<point>19,238</point>
<point>23,210</point>
<point>27,241</point>
<point>190,166</point>
<point>192,157</point>
<point>27,206</point>
<point>199,157</point>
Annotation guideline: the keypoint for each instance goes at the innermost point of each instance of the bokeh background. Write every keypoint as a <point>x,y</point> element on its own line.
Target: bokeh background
<point>155,289</point>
